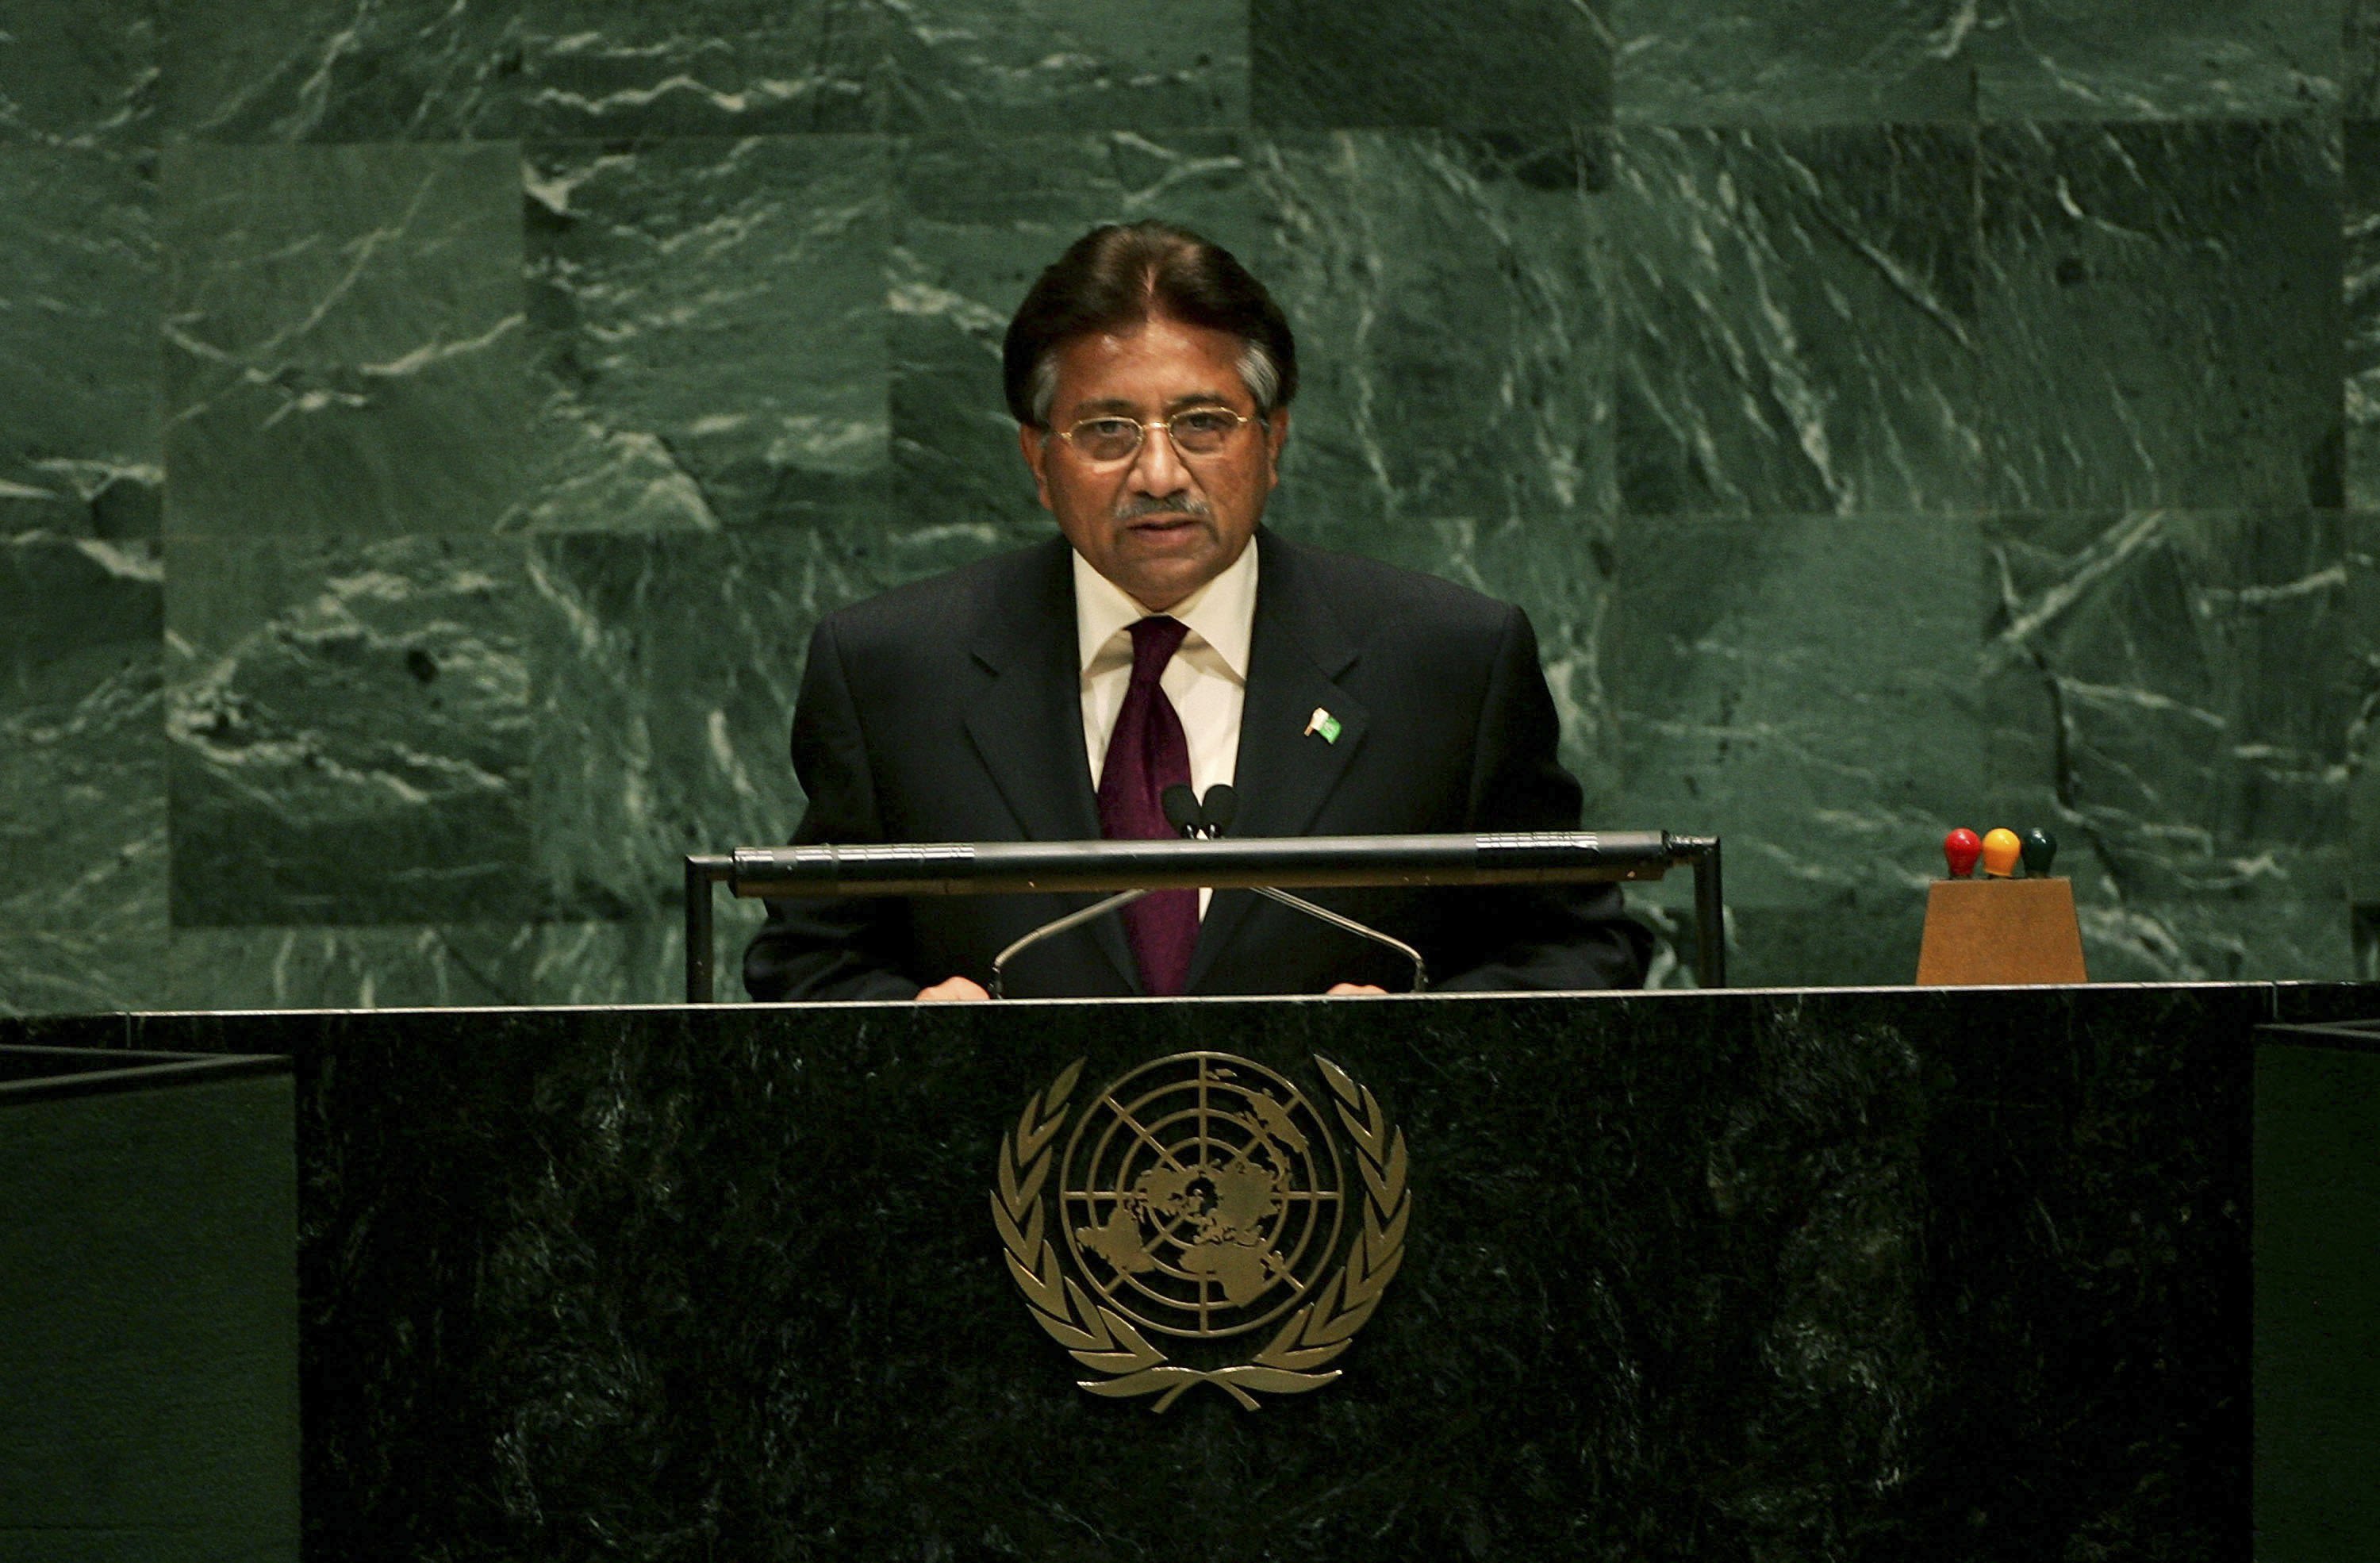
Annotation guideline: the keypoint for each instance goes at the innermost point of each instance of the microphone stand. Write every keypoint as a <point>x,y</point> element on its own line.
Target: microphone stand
<point>1204,822</point>
<point>1421,971</point>
<point>1076,919</point>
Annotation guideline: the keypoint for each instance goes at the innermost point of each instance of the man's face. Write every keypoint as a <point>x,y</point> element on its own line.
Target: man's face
<point>1160,525</point>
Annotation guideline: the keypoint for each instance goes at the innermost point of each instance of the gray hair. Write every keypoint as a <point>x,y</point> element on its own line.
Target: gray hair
<point>1257,372</point>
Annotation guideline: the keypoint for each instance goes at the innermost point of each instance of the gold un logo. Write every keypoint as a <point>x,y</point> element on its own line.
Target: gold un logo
<point>1203,1199</point>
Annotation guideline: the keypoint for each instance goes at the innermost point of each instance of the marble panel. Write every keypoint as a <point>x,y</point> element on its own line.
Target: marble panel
<point>1802,686</point>
<point>80,312</point>
<point>1792,61</point>
<point>2218,938</point>
<point>1840,940</point>
<point>1454,336</point>
<point>351,732</point>
<point>2156,59</point>
<point>2362,647</point>
<point>1022,67</point>
<point>343,339</point>
<point>78,73</point>
<point>615,68</point>
<point>666,672</point>
<point>2161,315</point>
<point>2360,299</point>
<point>82,758</point>
<point>709,319</point>
<point>1453,412</point>
<point>352,968</point>
<point>977,222</point>
<point>1560,568</point>
<point>2171,695</point>
<point>1798,329</point>
<point>67,972</point>
<point>1377,63</point>
<point>296,71</point>
<point>640,962</point>
<point>2359,69</point>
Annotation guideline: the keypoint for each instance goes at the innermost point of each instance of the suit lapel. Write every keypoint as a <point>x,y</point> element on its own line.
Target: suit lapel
<point>1027,725</point>
<point>1284,773</point>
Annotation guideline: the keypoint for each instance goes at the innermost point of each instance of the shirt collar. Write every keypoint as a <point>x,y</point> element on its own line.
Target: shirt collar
<point>1222,613</point>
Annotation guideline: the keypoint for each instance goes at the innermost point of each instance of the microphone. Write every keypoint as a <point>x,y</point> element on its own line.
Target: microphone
<point>1222,806</point>
<point>1181,810</point>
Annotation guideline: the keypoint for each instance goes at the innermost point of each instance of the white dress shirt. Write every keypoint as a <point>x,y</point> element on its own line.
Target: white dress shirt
<point>1207,680</point>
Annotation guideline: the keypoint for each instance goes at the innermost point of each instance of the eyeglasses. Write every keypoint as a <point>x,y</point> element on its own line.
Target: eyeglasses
<point>1195,431</point>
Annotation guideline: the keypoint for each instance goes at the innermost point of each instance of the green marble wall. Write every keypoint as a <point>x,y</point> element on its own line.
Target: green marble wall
<point>428,430</point>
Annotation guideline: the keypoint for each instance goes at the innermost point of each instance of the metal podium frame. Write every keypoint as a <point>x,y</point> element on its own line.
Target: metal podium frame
<point>1249,863</point>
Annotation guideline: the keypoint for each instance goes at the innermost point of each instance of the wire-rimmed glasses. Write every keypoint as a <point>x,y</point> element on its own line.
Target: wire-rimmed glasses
<point>1195,431</point>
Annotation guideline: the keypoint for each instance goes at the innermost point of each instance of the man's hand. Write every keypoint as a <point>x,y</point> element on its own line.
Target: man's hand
<point>952,990</point>
<point>1340,989</point>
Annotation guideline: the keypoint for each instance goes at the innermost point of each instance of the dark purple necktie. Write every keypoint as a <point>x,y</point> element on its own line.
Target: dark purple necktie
<point>1147,754</point>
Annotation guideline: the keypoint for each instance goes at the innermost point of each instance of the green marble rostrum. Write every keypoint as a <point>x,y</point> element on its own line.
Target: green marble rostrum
<point>427,434</point>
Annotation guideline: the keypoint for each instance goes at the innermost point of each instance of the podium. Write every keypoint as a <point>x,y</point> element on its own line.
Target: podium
<point>1840,1273</point>
<point>148,1300</point>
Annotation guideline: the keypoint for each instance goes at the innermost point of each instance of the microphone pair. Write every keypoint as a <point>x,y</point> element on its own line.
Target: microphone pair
<point>1201,822</point>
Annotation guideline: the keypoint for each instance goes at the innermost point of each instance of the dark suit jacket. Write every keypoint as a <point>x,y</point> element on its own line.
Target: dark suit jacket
<point>950,710</point>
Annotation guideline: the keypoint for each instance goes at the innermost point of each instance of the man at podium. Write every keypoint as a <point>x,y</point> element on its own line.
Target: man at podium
<point>1165,639</point>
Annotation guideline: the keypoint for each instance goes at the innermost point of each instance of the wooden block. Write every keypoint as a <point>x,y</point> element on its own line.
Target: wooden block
<point>1990,932</point>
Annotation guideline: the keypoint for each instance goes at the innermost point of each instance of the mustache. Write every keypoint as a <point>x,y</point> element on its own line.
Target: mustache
<point>1182,504</point>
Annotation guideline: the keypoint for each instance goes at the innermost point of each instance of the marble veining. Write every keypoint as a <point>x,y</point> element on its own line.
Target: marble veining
<point>713,67</point>
<point>82,818</point>
<point>343,339</point>
<point>2157,59</point>
<point>389,70</point>
<point>2160,308</point>
<point>392,966</point>
<point>658,280</point>
<point>350,729</point>
<point>2360,62</point>
<point>46,972</point>
<point>1798,321</point>
<point>2175,691</point>
<point>665,670</point>
<point>79,73</point>
<point>80,449</point>
<point>1830,660</point>
<point>1802,369</point>
<point>1494,64</point>
<point>2360,299</point>
<point>1794,62</point>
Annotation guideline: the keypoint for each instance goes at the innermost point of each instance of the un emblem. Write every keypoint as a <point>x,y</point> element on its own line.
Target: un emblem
<point>1203,1197</point>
